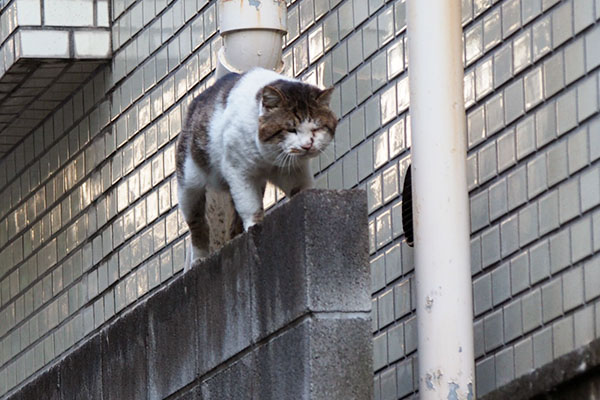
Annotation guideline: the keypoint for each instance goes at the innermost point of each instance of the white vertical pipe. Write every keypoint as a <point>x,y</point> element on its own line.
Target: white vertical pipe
<point>440,200</point>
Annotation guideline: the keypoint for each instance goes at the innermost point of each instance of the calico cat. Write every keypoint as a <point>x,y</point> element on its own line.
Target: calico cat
<point>240,133</point>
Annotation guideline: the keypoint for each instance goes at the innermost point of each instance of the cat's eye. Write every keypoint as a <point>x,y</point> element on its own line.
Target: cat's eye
<point>292,130</point>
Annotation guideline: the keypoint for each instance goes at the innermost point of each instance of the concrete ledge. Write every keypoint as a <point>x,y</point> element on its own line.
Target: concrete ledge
<point>563,378</point>
<point>282,312</point>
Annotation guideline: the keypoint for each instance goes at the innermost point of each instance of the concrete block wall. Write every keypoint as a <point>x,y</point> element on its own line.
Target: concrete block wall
<point>244,323</point>
<point>88,225</point>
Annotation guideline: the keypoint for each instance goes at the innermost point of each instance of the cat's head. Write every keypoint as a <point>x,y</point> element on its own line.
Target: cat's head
<point>295,120</point>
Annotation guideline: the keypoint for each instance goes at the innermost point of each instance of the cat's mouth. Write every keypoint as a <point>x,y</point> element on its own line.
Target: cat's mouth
<point>304,153</point>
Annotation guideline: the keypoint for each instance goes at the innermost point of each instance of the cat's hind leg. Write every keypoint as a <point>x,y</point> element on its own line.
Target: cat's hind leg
<point>192,202</point>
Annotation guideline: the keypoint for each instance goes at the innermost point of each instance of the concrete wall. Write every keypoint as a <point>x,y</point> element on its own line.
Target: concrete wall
<point>89,227</point>
<point>273,315</point>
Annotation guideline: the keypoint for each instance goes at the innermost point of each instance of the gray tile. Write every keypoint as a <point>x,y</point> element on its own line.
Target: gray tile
<point>410,335</point>
<point>560,251</point>
<point>539,261</point>
<point>478,338</point>
<point>568,200</point>
<point>566,112</point>
<point>532,310</point>
<point>546,4</point>
<point>591,272</point>
<point>487,162</point>
<point>513,325</point>
<point>523,357</point>
<point>528,224</point>
<point>511,17</point>
<point>557,163</point>
<point>473,38</point>
<point>516,106</point>
<point>533,88</point>
<point>594,140</point>
<point>492,29</point>
<point>587,98</point>
<point>395,343</point>
<point>500,284</point>
<point>525,137</point>
<point>346,18</point>
<point>536,175</point>
<point>552,300</point>
<point>581,239</point>
<point>575,68</point>
<point>493,330</point>
<point>572,288</point>
<point>402,301</point>
<point>522,50</point>
<point>519,273</point>
<point>405,377</point>
<point>562,24</point>
<point>355,50</point>
<point>374,320</point>
<point>542,38</point>
<point>584,326</point>
<point>545,121</point>
<point>393,263</point>
<point>379,351</point>
<point>479,211</point>
<point>494,113</point>
<point>506,150</point>
<point>365,160</point>
<point>340,63</point>
<point>596,230</point>
<point>510,235</point>
<point>505,370</point>
<point>498,199</point>
<point>490,246</point>
<point>554,79</point>
<point>482,294</point>
<point>485,374</point>
<point>517,188</point>
<point>476,126</point>
<point>503,65</point>
<point>385,306</point>
<point>475,255</point>
<point>377,273</point>
<point>388,384</point>
<point>373,115</point>
<point>592,56</point>
<point>563,337</point>
<point>548,212</point>
<point>530,9</point>
<point>542,347</point>
<point>577,148</point>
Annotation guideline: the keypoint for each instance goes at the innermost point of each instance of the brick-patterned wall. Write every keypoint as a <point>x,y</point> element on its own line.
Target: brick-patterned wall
<point>87,218</point>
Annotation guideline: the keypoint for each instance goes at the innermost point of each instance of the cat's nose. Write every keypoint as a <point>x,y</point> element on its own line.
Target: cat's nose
<point>307,146</point>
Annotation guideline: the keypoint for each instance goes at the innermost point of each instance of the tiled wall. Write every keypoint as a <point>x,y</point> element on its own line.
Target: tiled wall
<point>87,217</point>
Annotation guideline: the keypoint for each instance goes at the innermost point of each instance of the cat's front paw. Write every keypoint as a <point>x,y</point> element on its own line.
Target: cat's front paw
<point>256,218</point>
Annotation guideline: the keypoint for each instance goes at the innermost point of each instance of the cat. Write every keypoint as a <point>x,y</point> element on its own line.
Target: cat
<point>244,130</point>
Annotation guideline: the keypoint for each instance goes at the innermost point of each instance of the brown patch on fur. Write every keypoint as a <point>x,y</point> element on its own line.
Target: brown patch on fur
<point>198,224</point>
<point>298,102</point>
<point>194,135</point>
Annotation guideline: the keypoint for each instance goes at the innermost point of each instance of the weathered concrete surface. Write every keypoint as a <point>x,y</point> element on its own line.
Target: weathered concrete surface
<point>282,312</point>
<point>575,375</point>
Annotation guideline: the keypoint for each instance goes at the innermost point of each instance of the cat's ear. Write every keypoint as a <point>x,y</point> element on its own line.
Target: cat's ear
<point>271,97</point>
<point>324,97</point>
